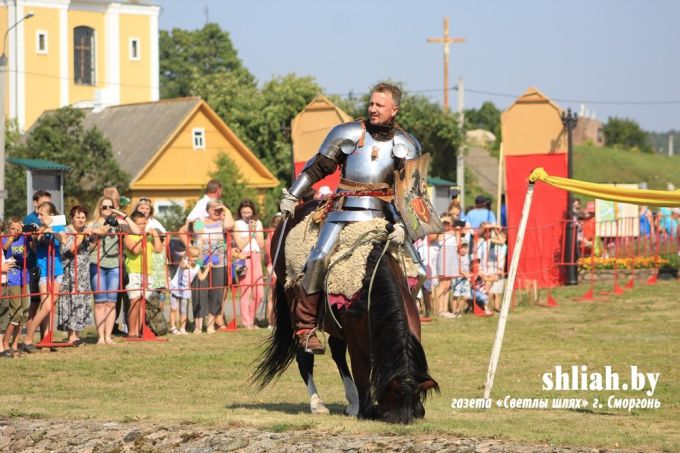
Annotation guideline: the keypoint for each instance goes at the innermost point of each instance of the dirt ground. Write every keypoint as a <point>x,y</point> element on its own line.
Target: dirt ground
<point>25,435</point>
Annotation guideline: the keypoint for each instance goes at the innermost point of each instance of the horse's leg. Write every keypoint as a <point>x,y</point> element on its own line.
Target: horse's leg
<point>339,354</point>
<point>306,367</point>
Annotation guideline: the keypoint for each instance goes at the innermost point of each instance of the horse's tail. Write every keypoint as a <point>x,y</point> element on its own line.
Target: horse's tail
<point>280,347</point>
<point>399,371</point>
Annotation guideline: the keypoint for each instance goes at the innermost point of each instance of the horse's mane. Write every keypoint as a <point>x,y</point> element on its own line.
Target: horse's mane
<point>397,354</point>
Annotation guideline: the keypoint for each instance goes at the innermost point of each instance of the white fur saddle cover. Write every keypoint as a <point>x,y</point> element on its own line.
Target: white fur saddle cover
<point>346,276</point>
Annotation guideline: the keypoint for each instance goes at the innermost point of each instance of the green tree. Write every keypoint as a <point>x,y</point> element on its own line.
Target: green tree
<point>185,54</point>
<point>486,117</point>
<point>259,117</point>
<point>437,131</point>
<point>280,100</point>
<point>61,137</point>
<point>626,133</point>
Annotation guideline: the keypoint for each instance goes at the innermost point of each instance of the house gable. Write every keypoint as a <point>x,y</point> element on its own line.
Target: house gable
<point>177,164</point>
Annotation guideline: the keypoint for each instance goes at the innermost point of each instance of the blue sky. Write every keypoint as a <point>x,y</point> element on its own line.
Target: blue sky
<point>620,57</point>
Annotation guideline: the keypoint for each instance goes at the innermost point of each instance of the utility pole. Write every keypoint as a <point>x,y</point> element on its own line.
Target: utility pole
<point>670,144</point>
<point>3,75</point>
<point>460,157</point>
<point>569,120</point>
<point>446,40</point>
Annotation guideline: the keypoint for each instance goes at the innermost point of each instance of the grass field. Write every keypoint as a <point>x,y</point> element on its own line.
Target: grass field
<point>204,379</point>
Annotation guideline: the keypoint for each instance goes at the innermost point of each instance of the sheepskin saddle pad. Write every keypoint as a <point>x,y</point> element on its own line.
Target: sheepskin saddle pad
<point>346,275</point>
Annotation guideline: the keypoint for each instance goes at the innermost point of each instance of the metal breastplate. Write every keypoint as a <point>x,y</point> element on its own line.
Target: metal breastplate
<point>371,163</point>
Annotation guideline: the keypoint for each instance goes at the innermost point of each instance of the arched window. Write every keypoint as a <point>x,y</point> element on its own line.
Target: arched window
<point>83,55</point>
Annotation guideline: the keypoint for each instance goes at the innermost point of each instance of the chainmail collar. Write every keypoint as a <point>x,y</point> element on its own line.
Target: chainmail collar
<point>382,133</point>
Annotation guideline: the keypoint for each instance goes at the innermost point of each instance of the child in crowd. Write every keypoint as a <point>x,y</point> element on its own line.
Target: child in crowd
<point>428,249</point>
<point>480,294</point>
<point>497,257</point>
<point>139,251</point>
<point>180,288</point>
<point>14,247</point>
<point>485,267</point>
<point>461,285</point>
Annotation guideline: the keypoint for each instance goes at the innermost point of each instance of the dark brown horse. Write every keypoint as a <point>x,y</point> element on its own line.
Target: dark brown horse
<point>388,360</point>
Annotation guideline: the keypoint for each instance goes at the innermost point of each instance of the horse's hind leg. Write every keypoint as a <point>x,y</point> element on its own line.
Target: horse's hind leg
<point>339,354</point>
<point>306,366</point>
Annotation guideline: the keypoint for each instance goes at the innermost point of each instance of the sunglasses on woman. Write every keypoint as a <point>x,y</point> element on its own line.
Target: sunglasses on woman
<point>107,206</point>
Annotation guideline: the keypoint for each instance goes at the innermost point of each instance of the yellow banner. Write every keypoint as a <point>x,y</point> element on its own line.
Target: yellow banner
<point>660,198</point>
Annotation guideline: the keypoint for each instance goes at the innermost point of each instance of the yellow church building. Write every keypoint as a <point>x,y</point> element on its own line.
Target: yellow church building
<point>71,52</point>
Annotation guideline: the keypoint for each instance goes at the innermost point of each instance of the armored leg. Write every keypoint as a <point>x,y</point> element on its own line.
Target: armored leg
<point>311,287</point>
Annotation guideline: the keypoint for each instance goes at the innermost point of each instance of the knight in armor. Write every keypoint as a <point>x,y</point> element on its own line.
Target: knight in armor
<point>368,152</point>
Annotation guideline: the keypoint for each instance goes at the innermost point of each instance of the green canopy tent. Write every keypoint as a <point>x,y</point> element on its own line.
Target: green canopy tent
<point>43,175</point>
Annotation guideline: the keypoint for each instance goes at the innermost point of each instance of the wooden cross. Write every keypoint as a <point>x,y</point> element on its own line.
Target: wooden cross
<point>446,40</point>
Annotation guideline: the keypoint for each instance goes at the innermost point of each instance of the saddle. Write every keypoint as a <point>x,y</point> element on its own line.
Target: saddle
<point>347,266</point>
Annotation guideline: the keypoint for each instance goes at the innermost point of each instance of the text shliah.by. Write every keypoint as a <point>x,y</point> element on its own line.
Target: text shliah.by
<point>578,377</point>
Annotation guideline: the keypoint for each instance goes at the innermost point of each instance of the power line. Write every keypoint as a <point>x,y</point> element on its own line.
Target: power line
<point>515,96</point>
<point>420,91</point>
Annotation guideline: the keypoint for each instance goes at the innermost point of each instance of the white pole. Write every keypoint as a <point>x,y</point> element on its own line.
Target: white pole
<point>507,295</point>
<point>460,158</point>
<point>499,190</point>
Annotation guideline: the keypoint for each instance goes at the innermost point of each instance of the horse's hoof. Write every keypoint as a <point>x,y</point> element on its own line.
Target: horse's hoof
<point>352,410</point>
<point>316,406</point>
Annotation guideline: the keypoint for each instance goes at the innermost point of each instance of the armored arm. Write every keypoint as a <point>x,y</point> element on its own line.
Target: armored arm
<point>406,146</point>
<point>341,140</point>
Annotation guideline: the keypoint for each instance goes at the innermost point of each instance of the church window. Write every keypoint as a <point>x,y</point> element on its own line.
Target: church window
<point>83,55</point>
<point>134,48</point>
<point>41,42</point>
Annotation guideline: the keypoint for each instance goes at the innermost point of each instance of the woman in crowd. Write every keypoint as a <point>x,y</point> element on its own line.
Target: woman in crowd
<point>75,310</point>
<point>249,238</point>
<point>158,278</point>
<point>46,243</point>
<point>105,264</point>
<point>209,232</point>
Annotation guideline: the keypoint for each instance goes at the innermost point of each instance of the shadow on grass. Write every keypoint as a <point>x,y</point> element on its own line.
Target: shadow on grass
<point>288,408</point>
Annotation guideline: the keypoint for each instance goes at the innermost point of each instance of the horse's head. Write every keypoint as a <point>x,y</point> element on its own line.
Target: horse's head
<point>402,401</point>
<point>400,380</point>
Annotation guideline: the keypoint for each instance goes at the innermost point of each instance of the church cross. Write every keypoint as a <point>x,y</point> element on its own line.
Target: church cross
<point>446,40</point>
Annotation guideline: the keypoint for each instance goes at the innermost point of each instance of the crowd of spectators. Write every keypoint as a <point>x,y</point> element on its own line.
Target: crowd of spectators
<point>465,264</point>
<point>99,268</point>
<point>655,228</point>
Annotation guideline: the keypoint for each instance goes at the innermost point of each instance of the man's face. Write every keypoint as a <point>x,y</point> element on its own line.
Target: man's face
<point>381,109</point>
<point>41,200</point>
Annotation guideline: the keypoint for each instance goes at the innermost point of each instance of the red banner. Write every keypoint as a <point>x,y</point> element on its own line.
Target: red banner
<point>543,240</point>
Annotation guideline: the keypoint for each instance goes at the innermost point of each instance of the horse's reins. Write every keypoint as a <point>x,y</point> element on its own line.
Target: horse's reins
<point>369,237</point>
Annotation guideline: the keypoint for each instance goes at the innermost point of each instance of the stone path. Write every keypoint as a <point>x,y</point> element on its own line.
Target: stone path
<point>21,435</point>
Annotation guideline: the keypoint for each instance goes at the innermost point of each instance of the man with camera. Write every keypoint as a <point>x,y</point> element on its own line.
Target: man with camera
<point>31,222</point>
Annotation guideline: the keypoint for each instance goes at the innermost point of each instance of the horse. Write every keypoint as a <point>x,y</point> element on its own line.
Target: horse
<point>388,361</point>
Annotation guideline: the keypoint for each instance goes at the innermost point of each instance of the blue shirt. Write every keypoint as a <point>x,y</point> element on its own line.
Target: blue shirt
<point>50,245</point>
<point>15,277</point>
<point>479,215</point>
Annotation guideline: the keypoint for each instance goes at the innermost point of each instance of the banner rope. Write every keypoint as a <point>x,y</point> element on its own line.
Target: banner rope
<point>658,198</point>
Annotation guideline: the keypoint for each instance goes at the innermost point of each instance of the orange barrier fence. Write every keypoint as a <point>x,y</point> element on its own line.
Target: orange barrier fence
<point>470,263</point>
